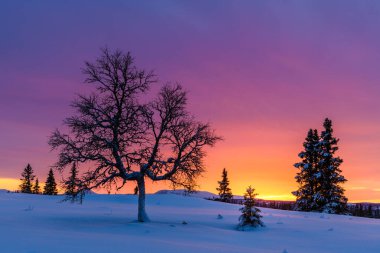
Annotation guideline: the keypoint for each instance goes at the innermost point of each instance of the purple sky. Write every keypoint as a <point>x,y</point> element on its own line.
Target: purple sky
<point>263,72</point>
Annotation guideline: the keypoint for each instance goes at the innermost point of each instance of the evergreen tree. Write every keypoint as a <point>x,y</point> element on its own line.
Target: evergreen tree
<point>309,174</point>
<point>50,185</point>
<point>331,195</point>
<point>26,180</point>
<point>225,193</point>
<point>250,214</point>
<point>320,177</point>
<point>72,182</point>
<point>36,187</point>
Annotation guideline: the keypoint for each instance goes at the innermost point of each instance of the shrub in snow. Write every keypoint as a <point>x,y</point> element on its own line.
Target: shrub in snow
<point>250,216</point>
<point>30,208</point>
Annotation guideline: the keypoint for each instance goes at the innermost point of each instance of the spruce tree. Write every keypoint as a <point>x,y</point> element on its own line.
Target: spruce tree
<point>50,185</point>
<point>331,195</point>
<point>250,214</point>
<point>36,187</point>
<point>26,180</point>
<point>320,176</point>
<point>72,182</point>
<point>225,193</point>
<point>308,175</point>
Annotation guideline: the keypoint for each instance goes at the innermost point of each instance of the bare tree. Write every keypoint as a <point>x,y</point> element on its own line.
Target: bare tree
<point>120,138</point>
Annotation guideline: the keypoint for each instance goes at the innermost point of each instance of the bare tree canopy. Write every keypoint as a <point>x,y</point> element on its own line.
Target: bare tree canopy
<point>124,139</point>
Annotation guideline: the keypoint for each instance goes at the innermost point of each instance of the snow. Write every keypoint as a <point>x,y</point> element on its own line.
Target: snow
<point>107,223</point>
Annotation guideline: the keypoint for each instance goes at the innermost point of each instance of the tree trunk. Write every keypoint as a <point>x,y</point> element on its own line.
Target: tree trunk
<point>142,216</point>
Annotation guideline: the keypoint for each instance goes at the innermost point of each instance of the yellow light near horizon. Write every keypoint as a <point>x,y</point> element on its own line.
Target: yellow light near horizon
<point>277,197</point>
<point>11,184</point>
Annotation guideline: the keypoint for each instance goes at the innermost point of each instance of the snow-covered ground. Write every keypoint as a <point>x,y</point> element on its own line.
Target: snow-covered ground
<point>106,223</point>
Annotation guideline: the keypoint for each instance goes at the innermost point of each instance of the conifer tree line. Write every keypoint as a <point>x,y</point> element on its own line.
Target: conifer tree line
<point>319,177</point>
<point>365,210</point>
<point>31,186</point>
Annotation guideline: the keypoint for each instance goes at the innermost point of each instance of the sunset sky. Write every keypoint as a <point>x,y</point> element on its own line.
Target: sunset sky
<point>262,72</point>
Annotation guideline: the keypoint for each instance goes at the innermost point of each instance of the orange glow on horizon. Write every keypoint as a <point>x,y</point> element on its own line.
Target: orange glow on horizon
<point>264,158</point>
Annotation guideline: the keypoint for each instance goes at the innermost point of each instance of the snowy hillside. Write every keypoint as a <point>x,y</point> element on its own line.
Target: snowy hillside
<point>106,223</point>
<point>197,194</point>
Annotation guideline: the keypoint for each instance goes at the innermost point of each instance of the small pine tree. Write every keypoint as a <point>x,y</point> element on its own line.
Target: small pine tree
<point>50,185</point>
<point>309,174</point>
<point>331,195</point>
<point>36,187</point>
<point>26,180</point>
<point>72,182</point>
<point>225,193</point>
<point>250,214</point>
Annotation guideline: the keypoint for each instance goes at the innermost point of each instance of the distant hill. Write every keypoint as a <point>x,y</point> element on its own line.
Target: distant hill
<point>197,194</point>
